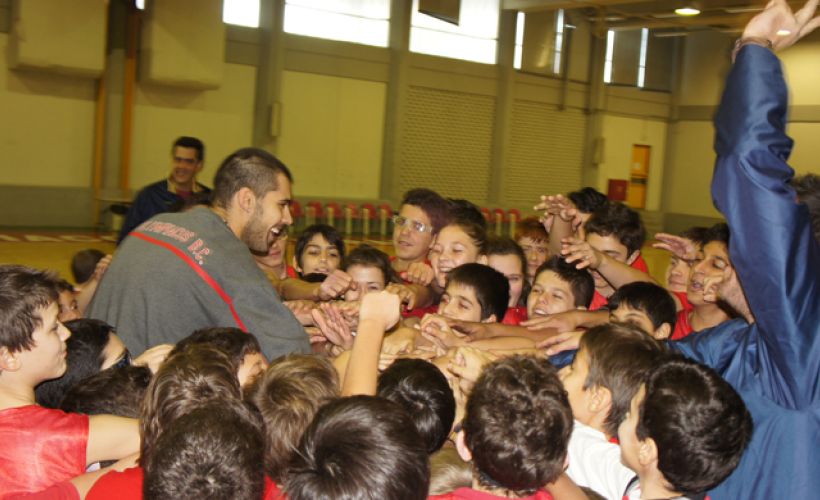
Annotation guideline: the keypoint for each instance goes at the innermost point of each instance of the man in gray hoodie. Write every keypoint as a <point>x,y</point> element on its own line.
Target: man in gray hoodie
<point>179,272</point>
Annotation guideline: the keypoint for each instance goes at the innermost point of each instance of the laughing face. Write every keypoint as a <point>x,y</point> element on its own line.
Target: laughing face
<point>711,262</point>
<point>271,217</point>
<point>452,248</point>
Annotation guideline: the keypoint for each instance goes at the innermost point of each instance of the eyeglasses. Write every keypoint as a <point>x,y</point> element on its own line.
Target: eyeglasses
<point>125,360</point>
<point>419,227</point>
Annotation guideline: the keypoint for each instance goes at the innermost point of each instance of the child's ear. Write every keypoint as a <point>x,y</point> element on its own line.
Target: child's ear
<point>601,400</point>
<point>490,319</point>
<point>633,257</point>
<point>463,451</point>
<point>483,259</point>
<point>295,265</point>
<point>663,332</point>
<point>648,452</point>
<point>9,362</point>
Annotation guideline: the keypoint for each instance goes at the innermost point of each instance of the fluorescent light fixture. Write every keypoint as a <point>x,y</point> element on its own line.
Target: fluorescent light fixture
<point>669,34</point>
<point>642,58</point>
<point>610,48</point>
<point>687,11</point>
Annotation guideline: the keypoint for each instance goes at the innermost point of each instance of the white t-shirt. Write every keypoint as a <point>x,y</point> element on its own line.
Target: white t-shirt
<point>595,463</point>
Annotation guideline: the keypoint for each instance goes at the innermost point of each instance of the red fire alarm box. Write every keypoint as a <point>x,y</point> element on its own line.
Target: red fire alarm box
<point>617,189</point>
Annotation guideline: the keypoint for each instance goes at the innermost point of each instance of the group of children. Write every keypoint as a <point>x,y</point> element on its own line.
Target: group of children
<point>429,374</point>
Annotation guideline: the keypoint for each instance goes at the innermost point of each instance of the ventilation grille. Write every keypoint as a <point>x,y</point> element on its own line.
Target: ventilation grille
<point>447,143</point>
<point>546,152</point>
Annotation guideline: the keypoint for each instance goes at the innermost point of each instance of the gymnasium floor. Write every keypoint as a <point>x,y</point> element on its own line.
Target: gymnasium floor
<point>53,249</point>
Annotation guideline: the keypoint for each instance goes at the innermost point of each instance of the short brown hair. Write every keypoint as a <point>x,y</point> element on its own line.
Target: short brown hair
<point>184,382</point>
<point>288,395</point>
<point>23,293</point>
<point>532,228</point>
<point>620,356</point>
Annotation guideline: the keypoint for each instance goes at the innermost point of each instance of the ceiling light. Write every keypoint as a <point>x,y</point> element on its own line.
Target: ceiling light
<point>687,11</point>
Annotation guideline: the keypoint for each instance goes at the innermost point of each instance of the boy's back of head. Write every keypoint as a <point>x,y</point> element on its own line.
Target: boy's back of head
<point>517,424</point>
<point>23,293</point>
<point>235,343</point>
<point>423,391</point>
<point>649,298</point>
<point>491,288</point>
<point>698,422</point>
<point>361,447</point>
<point>115,391</point>
<point>214,452</point>
<point>288,395</point>
<point>618,220</point>
<point>619,357</point>
<point>84,263</point>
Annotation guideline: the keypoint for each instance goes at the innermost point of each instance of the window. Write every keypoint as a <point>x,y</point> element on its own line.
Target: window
<point>559,41</point>
<point>541,50</point>
<point>238,12</point>
<point>610,49</point>
<point>358,21</point>
<point>474,39</point>
<point>519,40</point>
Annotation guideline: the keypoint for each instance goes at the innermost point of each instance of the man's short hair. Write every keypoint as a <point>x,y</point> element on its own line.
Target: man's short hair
<point>288,395</point>
<point>328,232</point>
<point>696,234</point>
<point>698,422</point>
<point>230,340</point>
<point>190,142</point>
<point>85,355</point>
<point>184,382</point>
<point>360,447</point>
<point>649,298</point>
<point>719,232</point>
<point>431,203</point>
<point>367,256</point>
<point>588,200</point>
<point>423,391</point>
<point>580,281</point>
<point>84,263</point>
<point>214,452</point>
<point>491,288</point>
<point>517,424</point>
<point>618,220</point>
<point>251,168</point>
<point>115,391</point>
<point>23,293</point>
<point>532,228</point>
<point>620,357</point>
<point>807,188</point>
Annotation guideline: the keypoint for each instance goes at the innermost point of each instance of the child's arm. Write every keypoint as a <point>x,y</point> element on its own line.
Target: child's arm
<point>564,488</point>
<point>562,213</point>
<point>379,312</point>
<point>88,289</point>
<point>334,285</point>
<point>111,438</point>
<point>618,274</point>
<point>568,321</point>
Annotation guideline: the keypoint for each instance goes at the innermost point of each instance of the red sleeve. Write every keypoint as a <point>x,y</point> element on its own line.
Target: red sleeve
<point>640,264</point>
<point>272,491</point>
<point>59,491</point>
<point>292,273</point>
<point>682,326</point>
<point>598,301</point>
<point>125,485</point>
<point>40,447</point>
<point>515,315</point>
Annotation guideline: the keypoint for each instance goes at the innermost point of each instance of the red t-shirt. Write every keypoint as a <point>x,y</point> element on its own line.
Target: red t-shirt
<point>272,491</point>
<point>682,326</point>
<point>471,494</point>
<point>40,447</point>
<point>515,315</point>
<point>125,485</point>
<point>59,491</point>
<point>599,301</point>
<point>419,312</point>
<point>292,272</point>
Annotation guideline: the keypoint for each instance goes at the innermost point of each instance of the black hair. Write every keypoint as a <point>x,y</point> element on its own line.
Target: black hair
<point>367,256</point>
<point>696,234</point>
<point>431,203</point>
<point>619,356</point>
<point>23,292</point>
<point>698,422</point>
<point>517,424</point>
<point>213,452</point>
<point>719,232</point>
<point>251,168</point>
<point>468,218</point>
<point>651,299</point>
<point>423,391</point>
<point>190,142</point>
<point>491,288</point>
<point>314,277</point>
<point>361,447</point>
<point>84,358</point>
<point>504,245</point>
<point>329,233</point>
<point>580,281</point>
<point>232,341</point>
<point>84,263</point>
<point>618,220</point>
<point>807,187</point>
<point>588,200</point>
<point>115,391</point>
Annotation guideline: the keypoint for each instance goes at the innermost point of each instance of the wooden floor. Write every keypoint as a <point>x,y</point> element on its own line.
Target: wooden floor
<point>53,249</point>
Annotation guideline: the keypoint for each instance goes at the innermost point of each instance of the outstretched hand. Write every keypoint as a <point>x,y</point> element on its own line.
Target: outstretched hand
<point>682,248</point>
<point>778,24</point>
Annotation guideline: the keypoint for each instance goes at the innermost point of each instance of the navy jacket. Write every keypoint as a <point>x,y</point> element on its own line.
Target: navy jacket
<point>153,199</point>
<point>774,363</point>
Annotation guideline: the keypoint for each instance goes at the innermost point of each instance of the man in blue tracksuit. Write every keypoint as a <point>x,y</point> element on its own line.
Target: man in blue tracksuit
<point>774,360</point>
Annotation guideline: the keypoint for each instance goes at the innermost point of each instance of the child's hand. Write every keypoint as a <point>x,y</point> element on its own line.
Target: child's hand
<point>682,248</point>
<point>561,342</point>
<point>419,273</point>
<point>302,310</point>
<point>467,363</point>
<point>154,357</point>
<point>563,322</point>
<point>336,284</point>
<point>435,329</point>
<point>332,325</point>
<point>581,253</point>
<point>382,307</point>
<point>474,330</point>
<point>405,294</point>
<point>101,267</point>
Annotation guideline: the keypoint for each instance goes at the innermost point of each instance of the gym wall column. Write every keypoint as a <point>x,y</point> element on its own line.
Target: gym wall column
<point>269,74</point>
<point>594,143</point>
<point>503,106</point>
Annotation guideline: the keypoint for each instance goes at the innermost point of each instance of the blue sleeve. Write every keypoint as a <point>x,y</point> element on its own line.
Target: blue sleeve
<point>772,246</point>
